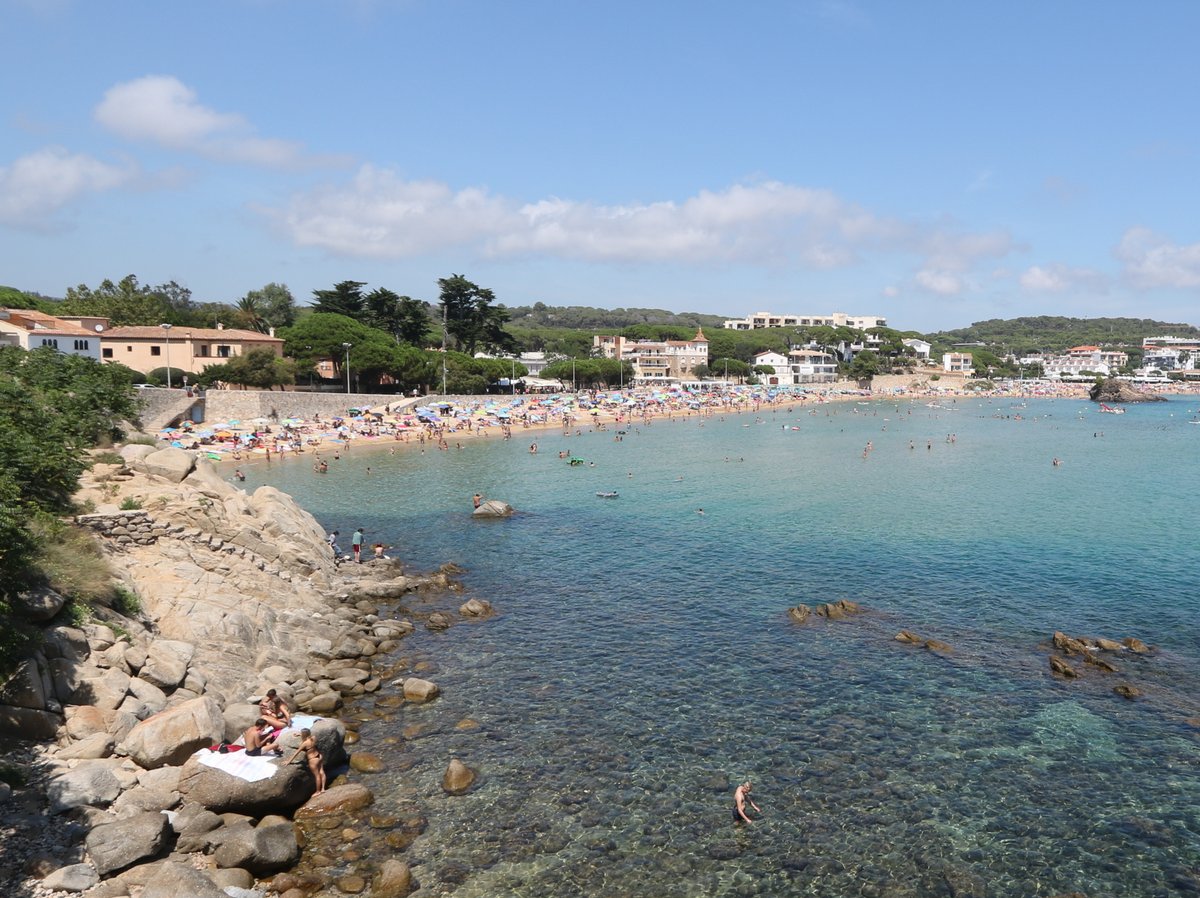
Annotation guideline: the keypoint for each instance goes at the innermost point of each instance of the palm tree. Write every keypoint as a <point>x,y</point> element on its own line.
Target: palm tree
<point>251,314</point>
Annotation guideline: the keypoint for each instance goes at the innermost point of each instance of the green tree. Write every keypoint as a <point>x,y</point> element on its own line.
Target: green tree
<point>864,365</point>
<point>470,317</point>
<point>320,336</point>
<point>413,320</point>
<point>259,368</point>
<point>346,298</point>
<point>275,304</point>
<point>251,315</point>
<point>124,303</point>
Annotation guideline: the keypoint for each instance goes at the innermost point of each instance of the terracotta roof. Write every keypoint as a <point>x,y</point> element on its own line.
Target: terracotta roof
<point>41,323</point>
<point>1084,349</point>
<point>154,332</point>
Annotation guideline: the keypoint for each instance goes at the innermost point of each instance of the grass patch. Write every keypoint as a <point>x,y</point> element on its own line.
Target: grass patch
<point>71,563</point>
<point>107,458</point>
<point>131,504</point>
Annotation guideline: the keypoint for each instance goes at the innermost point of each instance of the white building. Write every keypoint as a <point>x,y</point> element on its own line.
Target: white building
<point>33,330</point>
<point>771,319</point>
<point>808,366</point>
<point>958,362</point>
<point>1084,360</point>
<point>920,347</point>
<point>1171,353</point>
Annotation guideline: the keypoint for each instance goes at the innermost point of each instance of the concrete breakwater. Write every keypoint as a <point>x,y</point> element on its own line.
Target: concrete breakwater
<point>224,595</point>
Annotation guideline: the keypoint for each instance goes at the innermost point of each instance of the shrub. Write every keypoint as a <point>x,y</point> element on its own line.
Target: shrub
<point>107,458</point>
<point>131,503</point>
<point>125,601</point>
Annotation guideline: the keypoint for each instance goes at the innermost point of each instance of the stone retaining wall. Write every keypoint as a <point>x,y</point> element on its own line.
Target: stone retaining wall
<point>246,405</point>
<point>137,528</point>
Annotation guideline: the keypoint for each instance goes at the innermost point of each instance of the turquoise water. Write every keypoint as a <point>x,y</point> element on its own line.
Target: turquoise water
<point>642,663</point>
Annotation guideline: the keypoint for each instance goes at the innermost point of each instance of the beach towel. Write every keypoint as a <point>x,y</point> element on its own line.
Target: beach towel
<point>238,763</point>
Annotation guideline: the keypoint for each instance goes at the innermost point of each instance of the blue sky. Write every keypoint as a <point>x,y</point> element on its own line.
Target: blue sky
<point>934,162</point>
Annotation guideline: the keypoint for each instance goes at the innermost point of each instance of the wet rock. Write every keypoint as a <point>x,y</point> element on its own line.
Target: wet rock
<point>1068,645</point>
<point>909,638</point>
<point>938,647</point>
<point>394,880</point>
<point>475,608</point>
<point>492,508</point>
<point>458,777</point>
<point>1095,661</point>
<point>1108,645</point>
<point>1126,691</point>
<point>337,800</point>
<point>420,691</point>
<point>351,884</point>
<point>1136,646</point>
<point>437,621</point>
<point>365,762</point>
<point>1062,668</point>
<point>800,613</point>
<point>114,846</point>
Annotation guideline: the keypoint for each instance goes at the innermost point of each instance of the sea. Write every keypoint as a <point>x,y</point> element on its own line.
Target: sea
<point>642,662</point>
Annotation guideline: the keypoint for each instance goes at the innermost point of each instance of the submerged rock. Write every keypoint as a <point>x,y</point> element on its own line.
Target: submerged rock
<point>493,508</point>
<point>1062,668</point>
<point>458,777</point>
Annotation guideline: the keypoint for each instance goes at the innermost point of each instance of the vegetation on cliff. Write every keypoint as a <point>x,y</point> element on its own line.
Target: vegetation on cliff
<point>54,408</point>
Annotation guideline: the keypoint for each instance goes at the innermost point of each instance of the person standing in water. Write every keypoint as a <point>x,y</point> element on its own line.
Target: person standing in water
<point>741,798</point>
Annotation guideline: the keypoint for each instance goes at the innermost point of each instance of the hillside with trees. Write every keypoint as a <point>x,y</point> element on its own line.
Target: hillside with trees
<point>1048,333</point>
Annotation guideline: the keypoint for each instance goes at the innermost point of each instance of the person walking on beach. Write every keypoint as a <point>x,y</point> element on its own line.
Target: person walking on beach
<point>332,540</point>
<point>356,542</point>
<point>741,798</point>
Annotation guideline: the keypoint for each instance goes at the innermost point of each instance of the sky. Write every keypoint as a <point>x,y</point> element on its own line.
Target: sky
<point>936,163</point>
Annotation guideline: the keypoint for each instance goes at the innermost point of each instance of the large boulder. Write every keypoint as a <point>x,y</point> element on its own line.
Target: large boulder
<point>72,878</point>
<point>1113,390</point>
<point>173,735</point>
<point>493,508</point>
<point>114,846</point>
<point>267,848</point>
<point>170,463</point>
<point>420,691</point>
<point>175,880</point>
<point>337,800</point>
<point>167,663</point>
<point>39,604</point>
<point>29,686</point>
<point>28,723</point>
<point>92,784</point>
<point>283,792</point>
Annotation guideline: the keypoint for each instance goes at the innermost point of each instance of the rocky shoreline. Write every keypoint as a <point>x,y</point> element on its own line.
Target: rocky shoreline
<point>222,596</point>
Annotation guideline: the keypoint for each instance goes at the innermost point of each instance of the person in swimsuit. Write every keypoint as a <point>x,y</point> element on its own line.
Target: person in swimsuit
<point>258,739</point>
<point>274,711</point>
<point>312,755</point>
<point>741,797</point>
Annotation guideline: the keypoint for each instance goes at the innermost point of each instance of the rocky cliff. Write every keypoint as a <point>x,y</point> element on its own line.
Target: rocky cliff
<point>1113,390</point>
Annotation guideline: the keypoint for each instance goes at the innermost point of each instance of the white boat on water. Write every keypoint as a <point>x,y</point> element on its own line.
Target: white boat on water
<point>608,494</point>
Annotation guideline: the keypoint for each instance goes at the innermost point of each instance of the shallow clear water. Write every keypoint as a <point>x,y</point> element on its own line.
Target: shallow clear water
<point>643,663</point>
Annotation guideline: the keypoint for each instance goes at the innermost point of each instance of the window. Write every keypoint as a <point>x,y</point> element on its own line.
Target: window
<point>224,351</point>
<point>107,353</point>
<point>155,350</point>
<point>81,345</point>
<point>50,341</point>
<point>202,350</point>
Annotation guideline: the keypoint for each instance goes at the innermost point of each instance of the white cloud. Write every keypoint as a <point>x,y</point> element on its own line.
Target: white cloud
<point>380,214</point>
<point>944,283</point>
<point>1058,278</point>
<point>163,110</point>
<point>36,186</point>
<point>1153,261</point>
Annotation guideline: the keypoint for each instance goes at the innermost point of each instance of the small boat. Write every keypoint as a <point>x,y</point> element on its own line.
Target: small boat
<point>1110,410</point>
<point>608,494</point>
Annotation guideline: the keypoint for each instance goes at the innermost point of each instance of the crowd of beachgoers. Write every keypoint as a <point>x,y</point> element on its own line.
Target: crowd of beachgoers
<point>444,423</point>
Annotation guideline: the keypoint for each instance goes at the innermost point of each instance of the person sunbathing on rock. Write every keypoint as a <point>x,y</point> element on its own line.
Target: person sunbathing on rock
<point>258,739</point>
<point>273,710</point>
